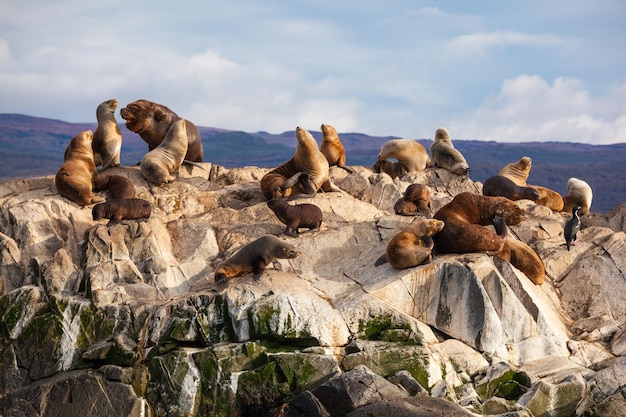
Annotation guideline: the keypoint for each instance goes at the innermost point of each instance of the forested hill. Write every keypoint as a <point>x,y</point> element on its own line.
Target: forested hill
<point>33,146</point>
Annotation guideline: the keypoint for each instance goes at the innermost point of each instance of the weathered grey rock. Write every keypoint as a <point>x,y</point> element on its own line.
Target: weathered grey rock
<point>561,400</point>
<point>420,406</point>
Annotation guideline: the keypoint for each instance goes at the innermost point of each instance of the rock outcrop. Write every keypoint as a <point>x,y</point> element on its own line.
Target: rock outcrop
<point>125,319</point>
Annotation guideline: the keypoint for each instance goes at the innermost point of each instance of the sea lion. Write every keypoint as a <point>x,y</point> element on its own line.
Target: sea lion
<point>571,228</point>
<point>117,186</point>
<point>152,121</point>
<point>578,194</point>
<point>122,209</point>
<point>517,171</point>
<point>445,155</point>
<point>288,179</point>
<point>501,186</point>
<point>549,198</point>
<point>74,179</point>
<point>255,257</point>
<point>411,155</point>
<point>158,165</point>
<point>412,246</point>
<point>523,257</point>
<point>332,148</point>
<point>306,216</point>
<point>464,218</point>
<point>415,201</point>
<point>107,138</point>
<point>393,169</point>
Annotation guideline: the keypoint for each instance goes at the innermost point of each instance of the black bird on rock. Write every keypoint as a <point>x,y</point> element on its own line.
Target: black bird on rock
<point>572,227</point>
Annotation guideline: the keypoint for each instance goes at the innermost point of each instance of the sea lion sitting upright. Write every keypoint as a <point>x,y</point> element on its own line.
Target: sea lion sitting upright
<point>578,194</point>
<point>445,155</point>
<point>501,186</point>
<point>107,139</point>
<point>158,165</point>
<point>255,257</point>
<point>152,121</point>
<point>411,155</point>
<point>306,216</point>
<point>412,246</point>
<point>518,171</point>
<point>117,186</point>
<point>415,201</point>
<point>305,173</point>
<point>122,209</point>
<point>74,179</point>
<point>332,148</point>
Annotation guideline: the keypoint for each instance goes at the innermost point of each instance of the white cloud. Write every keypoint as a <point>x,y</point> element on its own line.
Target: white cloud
<point>528,108</point>
<point>485,41</point>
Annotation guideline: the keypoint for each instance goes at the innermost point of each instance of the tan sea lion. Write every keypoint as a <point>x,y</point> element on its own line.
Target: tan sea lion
<point>517,172</point>
<point>116,185</point>
<point>523,257</point>
<point>107,139</point>
<point>305,216</point>
<point>152,121</point>
<point>158,165</point>
<point>415,201</point>
<point>332,148</point>
<point>445,155</point>
<point>465,217</point>
<point>549,198</point>
<point>122,209</point>
<point>74,180</point>
<point>501,186</point>
<point>413,245</point>
<point>255,257</point>
<point>578,194</point>
<point>411,155</point>
<point>305,173</point>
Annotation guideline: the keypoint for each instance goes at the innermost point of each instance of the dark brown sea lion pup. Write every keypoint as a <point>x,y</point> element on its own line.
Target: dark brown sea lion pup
<point>332,148</point>
<point>415,201</point>
<point>107,139</point>
<point>152,121</point>
<point>523,257</point>
<point>413,245</point>
<point>578,194</point>
<point>122,209</point>
<point>74,180</point>
<point>255,257</point>
<point>288,178</point>
<point>501,186</point>
<point>445,155</point>
<point>117,186</point>
<point>158,165</point>
<point>411,155</point>
<point>465,217</point>
<point>306,216</point>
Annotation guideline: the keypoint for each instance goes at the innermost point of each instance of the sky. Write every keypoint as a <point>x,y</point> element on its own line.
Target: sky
<point>506,71</point>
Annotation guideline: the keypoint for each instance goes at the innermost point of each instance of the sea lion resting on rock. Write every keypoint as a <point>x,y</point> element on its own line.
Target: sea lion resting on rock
<point>413,245</point>
<point>107,139</point>
<point>415,201</point>
<point>289,179</point>
<point>152,121</point>
<point>393,169</point>
<point>445,155</point>
<point>255,257</point>
<point>122,209</point>
<point>117,186</point>
<point>517,171</point>
<point>74,180</point>
<point>578,194</point>
<point>501,186</point>
<point>549,198</point>
<point>158,165</point>
<point>307,216</point>
<point>523,257</point>
<point>464,218</point>
<point>411,155</point>
<point>332,148</point>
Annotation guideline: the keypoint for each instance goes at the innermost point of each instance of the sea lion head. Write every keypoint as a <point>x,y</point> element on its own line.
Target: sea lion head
<point>142,115</point>
<point>106,108</point>
<point>442,135</point>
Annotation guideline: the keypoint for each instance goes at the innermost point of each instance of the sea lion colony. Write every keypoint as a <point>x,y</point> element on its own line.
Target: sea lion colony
<point>457,227</point>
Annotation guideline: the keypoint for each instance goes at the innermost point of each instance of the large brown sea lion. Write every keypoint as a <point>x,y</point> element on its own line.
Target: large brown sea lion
<point>332,148</point>
<point>578,194</point>
<point>107,139</point>
<point>501,186</point>
<point>411,155</point>
<point>305,216</point>
<point>158,165</point>
<point>412,246</point>
<point>255,257</point>
<point>305,173</point>
<point>74,180</point>
<point>445,155</point>
<point>152,121</point>
<point>122,209</point>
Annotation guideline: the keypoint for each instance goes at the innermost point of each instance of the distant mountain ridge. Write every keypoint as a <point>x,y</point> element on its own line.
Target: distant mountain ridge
<point>33,146</point>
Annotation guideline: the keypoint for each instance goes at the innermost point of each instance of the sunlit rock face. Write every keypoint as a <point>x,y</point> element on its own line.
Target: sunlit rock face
<point>126,316</point>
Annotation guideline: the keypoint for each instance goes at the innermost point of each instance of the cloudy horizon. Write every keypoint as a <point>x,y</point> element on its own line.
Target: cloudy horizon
<point>509,72</point>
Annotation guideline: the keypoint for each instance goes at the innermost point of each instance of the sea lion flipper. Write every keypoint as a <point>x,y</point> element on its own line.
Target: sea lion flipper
<point>381,260</point>
<point>500,225</point>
